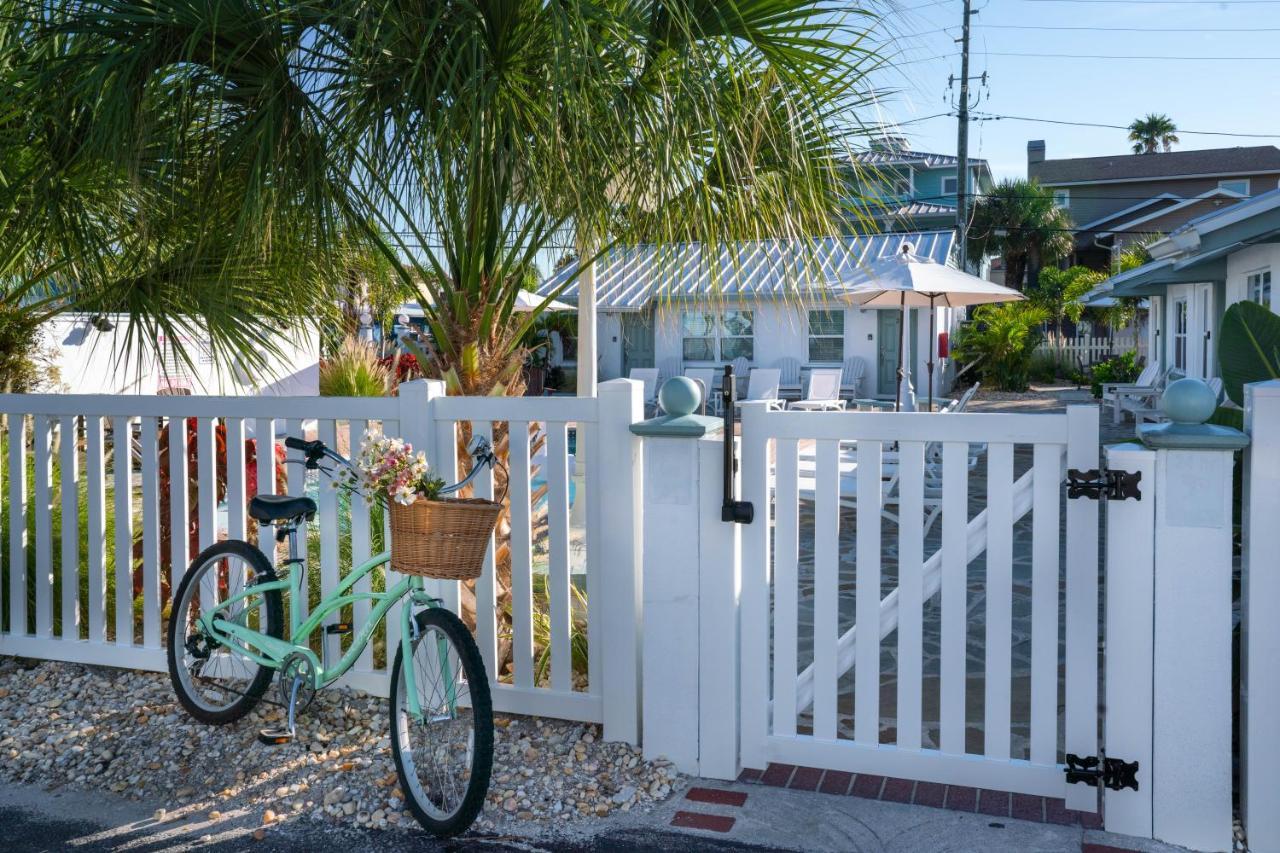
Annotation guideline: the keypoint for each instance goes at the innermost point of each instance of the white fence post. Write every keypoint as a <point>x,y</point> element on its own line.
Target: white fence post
<point>1191,765</point>
<point>1129,623</point>
<point>418,428</point>
<point>618,555</point>
<point>1260,628</point>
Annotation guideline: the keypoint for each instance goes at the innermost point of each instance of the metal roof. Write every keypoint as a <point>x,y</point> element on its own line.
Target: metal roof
<point>880,157</point>
<point>921,208</point>
<point>629,278</point>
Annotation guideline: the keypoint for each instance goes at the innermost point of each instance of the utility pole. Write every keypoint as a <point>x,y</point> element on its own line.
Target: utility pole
<point>962,146</point>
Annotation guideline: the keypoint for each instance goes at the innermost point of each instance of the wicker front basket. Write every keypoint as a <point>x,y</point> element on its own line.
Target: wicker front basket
<point>442,539</point>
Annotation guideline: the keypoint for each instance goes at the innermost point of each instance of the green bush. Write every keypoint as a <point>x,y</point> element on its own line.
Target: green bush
<point>1118,368</point>
<point>1001,341</point>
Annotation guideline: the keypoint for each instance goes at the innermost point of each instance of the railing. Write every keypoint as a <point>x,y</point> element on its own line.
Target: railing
<point>82,525</point>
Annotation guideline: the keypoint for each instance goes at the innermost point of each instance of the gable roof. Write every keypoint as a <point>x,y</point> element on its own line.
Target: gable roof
<point>906,157</point>
<point>1210,195</point>
<point>1172,164</point>
<point>629,278</point>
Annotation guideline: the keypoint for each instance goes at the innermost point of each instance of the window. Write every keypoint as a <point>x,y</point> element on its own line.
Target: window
<point>1180,334</point>
<point>826,336</point>
<point>1062,198</point>
<point>708,337</point>
<point>1238,185</point>
<point>1258,288</point>
<point>950,185</point>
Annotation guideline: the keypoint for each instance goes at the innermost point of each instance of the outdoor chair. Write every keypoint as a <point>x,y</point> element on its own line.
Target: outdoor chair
<point>1113,393</point>
<point>668,368</point>
<point>823,394</point>
<point>649,376</point>
<point>1142,402</point>
<point>851,376</point>
<point>1153,411</point>
<point>707,378</point>
<point>789,382</point>
<point>763,386</point>
<point>741,368</point>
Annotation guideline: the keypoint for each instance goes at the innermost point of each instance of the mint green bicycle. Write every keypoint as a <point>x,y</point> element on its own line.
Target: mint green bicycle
<point>227,642</point>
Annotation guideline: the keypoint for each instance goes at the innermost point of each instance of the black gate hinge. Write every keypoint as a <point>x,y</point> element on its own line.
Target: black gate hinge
<point>1109,484</point>
<point>1114,773</point>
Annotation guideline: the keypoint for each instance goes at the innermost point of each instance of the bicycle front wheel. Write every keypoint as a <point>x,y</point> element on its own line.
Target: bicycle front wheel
<point>445,756</point>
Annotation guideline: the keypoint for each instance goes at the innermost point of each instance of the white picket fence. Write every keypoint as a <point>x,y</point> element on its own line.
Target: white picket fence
<point>87,435</point>
<point>1086,350</point>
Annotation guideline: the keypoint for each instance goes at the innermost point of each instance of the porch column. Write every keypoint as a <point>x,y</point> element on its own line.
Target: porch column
<point>1191,768</point>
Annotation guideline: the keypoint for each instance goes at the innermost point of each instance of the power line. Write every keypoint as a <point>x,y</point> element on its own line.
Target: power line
<point>997,117</point>
<point>1160,2</point>
<point>1119,29</point>
<point>1162,57</point>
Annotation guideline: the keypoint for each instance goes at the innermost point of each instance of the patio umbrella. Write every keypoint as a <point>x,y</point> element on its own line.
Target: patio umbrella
<point>907,280</point>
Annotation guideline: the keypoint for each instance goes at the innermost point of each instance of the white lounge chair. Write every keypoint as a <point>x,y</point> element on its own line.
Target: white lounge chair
<point>1149,381</point>
<point>823,394</point>
<point>1153,411</point>
<point>789,382</point>
<point>741,368</point>
<point>763,385</point>
<point>1142,402</point>
<point>851,376</point>
<point>649,376</point>
<point>708,379</point>
<point>668,368</point>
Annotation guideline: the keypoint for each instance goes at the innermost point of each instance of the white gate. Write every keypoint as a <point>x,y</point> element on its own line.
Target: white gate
<point>919,599</point>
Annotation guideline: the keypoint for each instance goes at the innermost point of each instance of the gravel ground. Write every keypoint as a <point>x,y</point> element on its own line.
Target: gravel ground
<point>123,732</point>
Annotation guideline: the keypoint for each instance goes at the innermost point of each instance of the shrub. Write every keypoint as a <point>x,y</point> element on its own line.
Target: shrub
<point>1118,368</point>
<point>1001,340</point>
<point>354,371</point>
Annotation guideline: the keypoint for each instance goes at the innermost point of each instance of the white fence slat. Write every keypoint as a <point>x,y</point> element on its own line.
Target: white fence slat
<point>235,498</point>
<point>96,526</point>
<point>17,524</point>
<point>296,479</point>
<point>588,465</point>
<point>999,594</point>
<point>207,502</point>
<point>1045,577</point>
<point>179,511</point>
<point>826,587</point>
<point>149,437</point>
<point>122,484</point>
<point>866,725</point>
<point>264,437</point>
<point>327,431</point>
<point>521,556</point>
<point>1082,605</point>
<point>69,532</point>
<point>445,461</point>
<point>361,550</point>
<point>953,637</point>
<point>755,614</point>
<point>910,593</point>
<point>558,579</point>
<point>486,616</point>
<point>43,509</point>
<point>786,587</point>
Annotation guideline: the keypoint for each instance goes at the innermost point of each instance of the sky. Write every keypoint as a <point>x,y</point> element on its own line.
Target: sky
<point>1239,92</point>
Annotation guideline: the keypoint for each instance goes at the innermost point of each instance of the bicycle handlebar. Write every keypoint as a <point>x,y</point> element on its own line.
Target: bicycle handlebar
<point>480,449</point>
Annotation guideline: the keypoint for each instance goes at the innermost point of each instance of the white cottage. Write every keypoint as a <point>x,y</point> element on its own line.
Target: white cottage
<point>672,308</point>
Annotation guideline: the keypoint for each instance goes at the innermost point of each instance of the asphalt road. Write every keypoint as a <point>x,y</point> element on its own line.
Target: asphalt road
<point>35,821</point>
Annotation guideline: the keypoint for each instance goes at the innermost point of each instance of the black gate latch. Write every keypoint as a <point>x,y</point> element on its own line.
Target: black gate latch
<point>732,510</point>
<point>1114,773</point>
<point>1109,484</point>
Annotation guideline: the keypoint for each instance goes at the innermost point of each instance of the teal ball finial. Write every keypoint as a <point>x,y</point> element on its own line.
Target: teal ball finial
<point>679,396</point>
<point>1189,401</point>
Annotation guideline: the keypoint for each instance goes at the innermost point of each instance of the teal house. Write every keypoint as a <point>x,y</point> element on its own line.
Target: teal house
<point>906,190</point>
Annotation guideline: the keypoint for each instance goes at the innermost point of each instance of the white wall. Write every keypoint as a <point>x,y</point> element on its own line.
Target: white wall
<point>1251,260</point>
<point>93,362</point>
<point>781,331</point>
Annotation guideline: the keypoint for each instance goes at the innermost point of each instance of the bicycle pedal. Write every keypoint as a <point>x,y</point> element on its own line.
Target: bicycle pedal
<point>338,628</point>
<point>275,737</point>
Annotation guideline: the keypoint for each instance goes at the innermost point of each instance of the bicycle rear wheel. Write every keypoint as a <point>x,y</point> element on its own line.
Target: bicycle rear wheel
<point>445,758</point>
<point>214,684</point>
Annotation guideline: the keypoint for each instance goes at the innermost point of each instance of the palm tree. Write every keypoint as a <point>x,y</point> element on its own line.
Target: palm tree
<point>469,138</point>
<point>1019,221</point>
<point>1155,132</point>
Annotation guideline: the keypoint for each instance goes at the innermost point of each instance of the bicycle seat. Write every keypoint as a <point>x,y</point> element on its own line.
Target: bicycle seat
<point>268,508</point>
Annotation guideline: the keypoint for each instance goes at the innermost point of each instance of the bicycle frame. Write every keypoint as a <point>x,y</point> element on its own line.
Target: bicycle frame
<point>271,652</point>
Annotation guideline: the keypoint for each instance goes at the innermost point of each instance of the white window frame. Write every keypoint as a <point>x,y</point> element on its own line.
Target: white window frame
<point>1181,327</point>
<point>955,184</point>
<point>1222,185</point>
<point>717,334</point>
<point>810,337</point>
<point>1062,198</point>
<point>1257,287</point>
